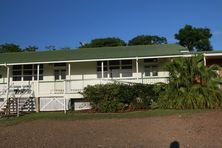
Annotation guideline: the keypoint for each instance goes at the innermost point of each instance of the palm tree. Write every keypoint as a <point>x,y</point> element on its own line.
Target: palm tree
<point>191,85</point>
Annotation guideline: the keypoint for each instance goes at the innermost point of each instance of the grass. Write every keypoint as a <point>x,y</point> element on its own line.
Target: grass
<point>91,116</point>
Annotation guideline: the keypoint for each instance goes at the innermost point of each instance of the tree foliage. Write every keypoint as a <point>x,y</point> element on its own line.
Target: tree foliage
<point>104,42</point>
<point>50,47</point>
<point>147,40</point>
<point>31,48</point>
<point>192,85</point>
<point>9,48</point>
<point>119,97</point>
<point>194,38</point>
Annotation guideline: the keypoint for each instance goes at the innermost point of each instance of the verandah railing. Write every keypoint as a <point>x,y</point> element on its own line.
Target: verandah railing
<point>77,85</point>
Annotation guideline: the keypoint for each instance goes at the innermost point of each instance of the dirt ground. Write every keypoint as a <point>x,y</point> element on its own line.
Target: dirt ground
<point>196,130</point>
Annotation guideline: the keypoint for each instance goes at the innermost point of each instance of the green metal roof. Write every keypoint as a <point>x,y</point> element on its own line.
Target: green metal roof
<point>92,53</point>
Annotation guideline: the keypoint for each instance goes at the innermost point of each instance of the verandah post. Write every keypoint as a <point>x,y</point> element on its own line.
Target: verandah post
<point>37,104</point>
<point>37,101</point>
<point>17,106</point>
<point>8,85</point>
<point>137,69</point>
<point>102,70</point>
<point>69,71</point>
<point>64,95</point>
<point>205,62</point>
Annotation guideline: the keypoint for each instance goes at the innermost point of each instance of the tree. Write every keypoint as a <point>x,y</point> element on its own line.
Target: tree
<point>192,85</point>
<point>31,48</point>
<point>50,47</point>
<point>9,48</point>
<point>147,40</point>
<point>194,38</point>
<point>104,42</point>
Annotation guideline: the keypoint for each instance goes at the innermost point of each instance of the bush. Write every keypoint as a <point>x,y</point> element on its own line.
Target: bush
<point>119,97</point>
<point>192,85</point>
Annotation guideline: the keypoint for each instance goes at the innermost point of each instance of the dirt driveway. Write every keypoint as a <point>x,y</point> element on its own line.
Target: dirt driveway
<point>196,130</point>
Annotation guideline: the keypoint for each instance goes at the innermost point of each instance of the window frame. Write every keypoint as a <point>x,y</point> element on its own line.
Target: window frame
<point>115,69</point>
<point>27,72</point>
<point>59,75</point>
<point>151,66</point>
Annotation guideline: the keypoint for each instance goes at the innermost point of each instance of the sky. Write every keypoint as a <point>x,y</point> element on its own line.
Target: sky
<point>65,23</point>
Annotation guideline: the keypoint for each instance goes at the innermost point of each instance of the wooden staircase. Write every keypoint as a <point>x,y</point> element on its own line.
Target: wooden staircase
<point>18,103</point>
<point>18,106</point>
<point>10,107</point>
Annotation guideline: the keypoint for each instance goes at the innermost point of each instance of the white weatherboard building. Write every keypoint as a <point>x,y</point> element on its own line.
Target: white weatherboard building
<point>54,80</point>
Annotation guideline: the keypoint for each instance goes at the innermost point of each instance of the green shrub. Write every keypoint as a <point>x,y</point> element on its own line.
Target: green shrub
<point>192,85</point>
<point>115,97</point>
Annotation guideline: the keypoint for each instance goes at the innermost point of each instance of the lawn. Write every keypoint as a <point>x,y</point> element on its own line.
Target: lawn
<point>91,116</point>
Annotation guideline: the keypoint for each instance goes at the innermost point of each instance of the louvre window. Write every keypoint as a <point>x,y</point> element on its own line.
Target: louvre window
<point>26,72</point>
<point>17,73</point>
<point>99,69</point>
<point>60,74</point>
<point>115,69</point>
<point>127,69</point>
<point>151,67</point>
<point>151,71</point>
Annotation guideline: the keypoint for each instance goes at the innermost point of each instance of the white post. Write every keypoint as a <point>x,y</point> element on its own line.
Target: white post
<point>108,70</point>
<point>120,69</point>
<point>64,96</point>
<point>37,80</point>
<point>102,69</point>
<point>8,76</point>
<point>17,107</point>
<point>69,71</point>
<point>64,105</point>
<point>22,78</point>
<point>83,83</point>
<point>8,81</point>
<point>137,69</point>
<point>205,62</point>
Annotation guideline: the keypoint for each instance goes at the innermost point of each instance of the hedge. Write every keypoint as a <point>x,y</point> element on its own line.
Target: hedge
<point>116,97</point>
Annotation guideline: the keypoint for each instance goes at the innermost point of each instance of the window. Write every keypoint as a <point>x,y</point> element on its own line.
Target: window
<point>60,74</point>
<point>99,69</point>
<point>56,73</point>
<point>151,67</point>
<point>17,73</point>
<point>60,71</point>
<point>127,68</point>
<point>154,71</point>
<point>63,74</point>
<point>151,71</point>
<point>40,72</point>
<point>115,68</point>
<point>26,72</point>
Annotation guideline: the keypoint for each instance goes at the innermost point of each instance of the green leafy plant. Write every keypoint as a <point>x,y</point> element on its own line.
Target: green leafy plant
<point>120,97</point>
<point>192,85</point>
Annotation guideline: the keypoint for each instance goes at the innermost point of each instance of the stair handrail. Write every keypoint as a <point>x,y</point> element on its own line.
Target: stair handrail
<point>30,94</point>
<point>7,89</point>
